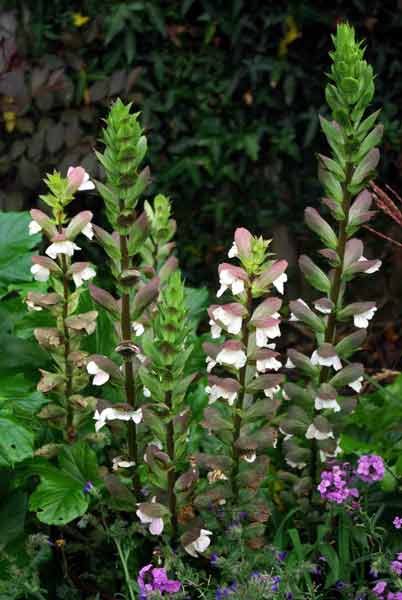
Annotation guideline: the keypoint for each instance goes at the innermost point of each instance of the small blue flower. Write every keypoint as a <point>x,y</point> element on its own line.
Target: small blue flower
<point>340,585</point>
<point>88,487</point>
<point>282,555</point>
<point>214,559</point>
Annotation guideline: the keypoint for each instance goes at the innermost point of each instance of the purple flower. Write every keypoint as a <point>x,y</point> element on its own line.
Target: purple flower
<point>340,585</point>
<point>88,487</point>
<point>370,468</point>
<point>396,567</point>
<point>152,579</point>
<point>397,522</point>
<point>213,559</point>
<point>379,588</point>
<point>394,596</point>
<point>282,555</point>
<point>289,596</point>
<point>334,485</point>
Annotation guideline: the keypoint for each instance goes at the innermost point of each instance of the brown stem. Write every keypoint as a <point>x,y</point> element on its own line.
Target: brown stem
<point>172,501</point>
<point>129,382</point>
<point>67,364</point>
<point>239,406</point>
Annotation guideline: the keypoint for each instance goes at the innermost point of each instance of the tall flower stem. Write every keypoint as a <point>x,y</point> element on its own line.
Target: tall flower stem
<point>239,404</point>
<point>129,383</point>
<point>67,364</point>
<point>172,470</point>
<point>335,292</point>
<point>336,285</point>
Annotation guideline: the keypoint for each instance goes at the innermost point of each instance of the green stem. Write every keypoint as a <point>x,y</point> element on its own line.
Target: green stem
<point>129,382</point>
<point>172,501</point>
<point>239,406</point>
<point>123,560</point>
<point>67,345</point>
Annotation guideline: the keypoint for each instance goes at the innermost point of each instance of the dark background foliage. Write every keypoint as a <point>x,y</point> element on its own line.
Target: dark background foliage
<point>229,93</point>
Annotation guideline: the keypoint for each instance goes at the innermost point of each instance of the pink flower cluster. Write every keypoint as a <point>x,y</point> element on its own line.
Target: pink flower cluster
<point>152,579</point>
<point>370,468</point>
<point>334,485</point>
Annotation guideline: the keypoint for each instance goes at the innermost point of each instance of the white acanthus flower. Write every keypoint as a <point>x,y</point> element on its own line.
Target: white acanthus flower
<point>270,392</point>
<point>157,443</point>
<point>211,363</point>
<point>362,319</point>
<point>146,392</point>
<point>32,306</point>
<point>216,391</point>
<point>324,455</point>
<point>357,384</point>
<point>156,524</point>
<point>231,321</point>
<point>326,361</point>
<point>138,328</point>
<point>233,252</point>
<point>40,273</point>
<point>233,357</point>
<point>268,364</point>
<point>119,462</point>
<point>200,544</point>
<point>313,433</point>
<point>100,376</point>
<point>250,457</point>
<point>264,333</point>
<point>229,279</point>
<point>79,179</point>
<point>215,330</point>
<point>116,414</point>
<point>279,283</point>
<point>85,275</point>
<point>374,268</point>
<point>62,247</point>
<point>295,465</point>
<point>289,364</point>
<point>34,227</point>
<point>326,403</point>
<point>88,231</point>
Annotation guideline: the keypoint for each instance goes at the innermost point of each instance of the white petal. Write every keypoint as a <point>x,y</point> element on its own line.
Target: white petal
<point>156,526</point>
<point>40,273</point>
<point>143,517</point>
<point>233,252</point>
<point>280,282</point>
<point>237,287</point>
<point>100,378</point>
<point>357,384</point>
<point>88,230</point>
<point>78,280</point>
<point>34,227</point>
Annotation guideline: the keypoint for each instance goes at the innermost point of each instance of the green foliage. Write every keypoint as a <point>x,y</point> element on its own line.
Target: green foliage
<point>212,101</point>
<point>228,468</point>
<point>16,247</point>
<point>60,497</point>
